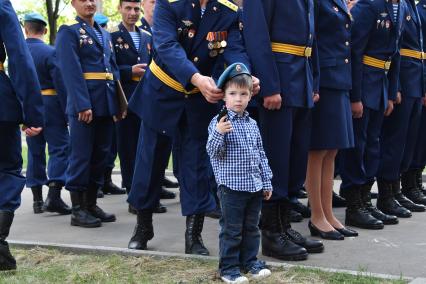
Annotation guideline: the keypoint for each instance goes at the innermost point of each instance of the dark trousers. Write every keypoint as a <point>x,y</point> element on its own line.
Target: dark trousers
<point>239,237</point>
<point>11,180</point>
<point>398,139</point>
<point>359,165</point>
<point>286,139</point>
<point>90,145</point>
<point>419,159</point>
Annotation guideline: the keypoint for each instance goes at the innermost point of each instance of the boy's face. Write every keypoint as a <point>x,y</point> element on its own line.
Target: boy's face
<point>237,98</point>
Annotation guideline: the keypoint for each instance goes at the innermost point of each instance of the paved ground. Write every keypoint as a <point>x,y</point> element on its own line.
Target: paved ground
<point>396,250</point>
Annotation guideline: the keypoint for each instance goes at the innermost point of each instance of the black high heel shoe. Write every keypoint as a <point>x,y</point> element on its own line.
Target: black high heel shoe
<point>331,235</point>
<point>347,232</point>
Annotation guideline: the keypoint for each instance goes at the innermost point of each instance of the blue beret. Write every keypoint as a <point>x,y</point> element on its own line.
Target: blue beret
<point>101,19</point>
<point>34,17</point>
<point>231,72</point>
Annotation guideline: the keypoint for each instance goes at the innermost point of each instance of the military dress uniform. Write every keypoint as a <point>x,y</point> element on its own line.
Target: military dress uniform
<point>400,129</point>
<point>281,46</point>
<point>376,35</point>
<point>20,103</point>
<point>87,63</point>
<point>186,41</point>
<point>55,131</point>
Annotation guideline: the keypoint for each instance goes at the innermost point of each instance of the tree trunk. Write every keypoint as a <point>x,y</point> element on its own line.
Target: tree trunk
<point>52,17</point>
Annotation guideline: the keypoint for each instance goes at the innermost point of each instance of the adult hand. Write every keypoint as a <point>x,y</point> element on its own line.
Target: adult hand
<point>207,87</point>
<point>31,131</point>
<point>267,195</point>
<point>139,69</point>
<point>315,97</point>
<point>85,116</point>
<point>256,85</point>
<point>224,126</point>
<point>389,108</point>
<point>398,98</point>
<point>272,102</point>
<point>357,109</point>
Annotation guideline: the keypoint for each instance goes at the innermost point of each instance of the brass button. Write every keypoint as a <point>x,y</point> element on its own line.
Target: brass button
<point>346,60</point>
<point>195,59</point>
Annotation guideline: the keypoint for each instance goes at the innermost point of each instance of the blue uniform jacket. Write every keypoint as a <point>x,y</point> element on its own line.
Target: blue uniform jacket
<point>145,26</point>
<point>375,33</point>
<point>20,99</point>
<point>421,8</point>
<point>181,50</point>
<point>288,22</point>
<point>79,51</point>
<point>44,57</point>
<point>411,78</point>
<point>128,55</point>
<point>333,34</point>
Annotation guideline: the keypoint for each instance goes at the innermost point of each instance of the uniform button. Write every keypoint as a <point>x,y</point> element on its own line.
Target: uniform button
<point>347,26</point>
<point>346,60</point>
<point>195,59</point>
<point>106,69</point>
<point>310,36</point>
<point>347,43</point>
<point>164,131</point>
<point>186,96</point>
<point>108,84</point>
<point>104,55</point>
<point>139,58</point>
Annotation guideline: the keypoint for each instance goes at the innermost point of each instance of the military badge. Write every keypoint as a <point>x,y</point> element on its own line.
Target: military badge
<point>126,46</point>
<point>223,43</point>
<point>82,31</point>
<point>213,53</point>
<point>119,40</point>
<point>408,18</point>
<point>384,14</point>
<point>215,8</point>
<point>336,9</point>
<point>187,23</point>
<point>90,41</point>
<point>191,33</point>
<point>238,68</point>
<point>387,24</point>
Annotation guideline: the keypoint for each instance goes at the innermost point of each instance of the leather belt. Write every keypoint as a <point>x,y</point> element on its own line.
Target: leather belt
<point>303,51</point>
<point>412,53</point>
<point>48,92</point>
<point>374,62</point>
<point>98,76</point>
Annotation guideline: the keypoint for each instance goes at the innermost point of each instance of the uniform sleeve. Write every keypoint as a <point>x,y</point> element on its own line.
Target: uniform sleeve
<point>21,66</point>
<point>256,22</point>
<point>167,46</point>
<point>216,142</point>
<point>265,170</point>
<point>55,74</point>
<point>364,20</point>
<point>72,73</point>
<point>393,76</point>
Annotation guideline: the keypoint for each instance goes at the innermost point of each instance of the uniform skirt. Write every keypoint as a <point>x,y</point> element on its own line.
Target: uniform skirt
<point>331,126</point>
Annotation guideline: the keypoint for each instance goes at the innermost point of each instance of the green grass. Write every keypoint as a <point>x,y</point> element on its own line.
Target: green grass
<point>51,266</point>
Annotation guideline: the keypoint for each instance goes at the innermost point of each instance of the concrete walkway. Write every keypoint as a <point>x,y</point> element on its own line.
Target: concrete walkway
<point>396,250</point>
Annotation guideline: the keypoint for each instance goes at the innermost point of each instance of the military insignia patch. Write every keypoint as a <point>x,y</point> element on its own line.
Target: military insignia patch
<point>408,18</point>
<point>82,31</point>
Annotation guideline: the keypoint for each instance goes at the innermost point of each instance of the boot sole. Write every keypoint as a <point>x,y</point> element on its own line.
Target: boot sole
<point>53,210</point>
<point>194,253</point>
<point>73,223</point>
<point>368,227</point>
<point>391,222</point>
<point>297,257</point>
<point>110,220</point>
<point>315,250</point>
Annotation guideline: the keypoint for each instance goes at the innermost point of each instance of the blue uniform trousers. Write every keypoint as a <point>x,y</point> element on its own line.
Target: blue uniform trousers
<point>90,145</point>
<point>398,139</point>
<point>195,188</point>
<point>359,165</point>
<point>286,139</point>
<point>419,159</point>
<point>11,180</point>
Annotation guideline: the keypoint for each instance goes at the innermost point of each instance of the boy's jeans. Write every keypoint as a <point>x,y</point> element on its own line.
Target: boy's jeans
<point>239,238</point>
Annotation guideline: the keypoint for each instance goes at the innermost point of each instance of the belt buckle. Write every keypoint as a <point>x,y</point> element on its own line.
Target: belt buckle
<point>423,54</point>
<point>308,52</point>
<point>387,65</point>
<point>109,76</point>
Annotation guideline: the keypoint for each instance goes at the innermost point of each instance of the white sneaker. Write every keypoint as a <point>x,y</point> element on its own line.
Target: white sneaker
<point>262,273</point>
<point>234,279</point>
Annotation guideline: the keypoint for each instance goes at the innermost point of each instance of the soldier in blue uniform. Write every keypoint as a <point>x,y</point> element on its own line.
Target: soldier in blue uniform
<point>87,63</point>
<point>401,129</point>
<point>20,104</point>
<point>55,132</point>
<point>376,35</point>
<point>280,44</point>
<point>178,96</point>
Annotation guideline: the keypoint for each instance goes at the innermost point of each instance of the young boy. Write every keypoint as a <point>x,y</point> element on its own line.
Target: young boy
<point>243,175</point>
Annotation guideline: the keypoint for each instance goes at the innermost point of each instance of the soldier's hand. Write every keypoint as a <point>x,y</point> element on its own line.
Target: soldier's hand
<point>207,87</point>
<point>315,97</point>
<point>389,108</point>
<point>85,116</point>
<point>139,69</point>
<point>272,102</point>
<point>224,125</point>
<point>357,109</point>
<point>256,85</point>
<point>32,131</point>
<point>267,195</point>
<point>398,98</point>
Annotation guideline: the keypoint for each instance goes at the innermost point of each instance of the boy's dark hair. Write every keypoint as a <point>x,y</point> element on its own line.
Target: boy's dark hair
<point>242,81</point>
<point>35,27</point>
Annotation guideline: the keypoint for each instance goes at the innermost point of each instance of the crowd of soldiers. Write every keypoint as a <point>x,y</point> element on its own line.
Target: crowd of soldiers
<point>331,75</point>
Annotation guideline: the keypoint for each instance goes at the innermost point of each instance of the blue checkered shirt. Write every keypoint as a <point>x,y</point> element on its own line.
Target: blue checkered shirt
<point>238,159</point>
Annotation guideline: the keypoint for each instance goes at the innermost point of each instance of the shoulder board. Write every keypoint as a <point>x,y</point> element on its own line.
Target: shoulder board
<point>147,32</point>
<point>229,4</point>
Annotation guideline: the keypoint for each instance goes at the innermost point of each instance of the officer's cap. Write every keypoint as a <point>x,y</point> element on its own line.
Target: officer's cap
<point>101,19</point>
<point>35,17</point>
<point>232,71</point>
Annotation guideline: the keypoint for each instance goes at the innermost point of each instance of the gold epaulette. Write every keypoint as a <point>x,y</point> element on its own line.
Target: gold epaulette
<point>228,4</point>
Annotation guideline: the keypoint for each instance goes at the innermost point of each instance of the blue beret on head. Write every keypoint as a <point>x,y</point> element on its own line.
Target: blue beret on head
<point>231,72</point>
<point>34,17</point>
<point>101,19</point>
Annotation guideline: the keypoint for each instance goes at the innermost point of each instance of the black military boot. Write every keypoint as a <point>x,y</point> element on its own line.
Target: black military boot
<point>301,193</point>
<point>356,214</point>
<point>338,201</point>
<point>419,180</point>
<point>404,201</point>
<point>99,192</point>
<point>302,209</point>
<point>311,246</point>
<point>167,194</point>
<point>90,197</point>
<point>276,243</point>
<point>387,203</point>
<point>143,231</point>
<point>7,261</point>
<point>79,215</point>
<point>193,241</point>
<point>109,187</point>
<point>160,208</point>
<point>410,188</point>
<point>374,211</point>
<point>37,199</point>
<point>169,183</point>
<point>54,202</point>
